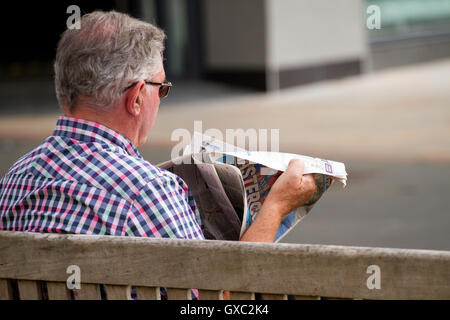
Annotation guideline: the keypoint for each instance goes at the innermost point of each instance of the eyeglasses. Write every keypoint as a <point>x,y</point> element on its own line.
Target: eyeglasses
<point>164,88</point>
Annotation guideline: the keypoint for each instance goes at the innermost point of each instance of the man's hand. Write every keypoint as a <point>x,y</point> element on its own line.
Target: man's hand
<point>291,190</point>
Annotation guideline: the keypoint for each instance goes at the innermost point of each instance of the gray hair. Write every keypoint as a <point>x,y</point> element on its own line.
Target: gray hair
<point>110,51</point>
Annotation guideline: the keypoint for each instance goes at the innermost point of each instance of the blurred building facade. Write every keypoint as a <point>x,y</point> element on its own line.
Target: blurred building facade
<point>263,44</point>
<point>277,44</point>
<point>412,31</point>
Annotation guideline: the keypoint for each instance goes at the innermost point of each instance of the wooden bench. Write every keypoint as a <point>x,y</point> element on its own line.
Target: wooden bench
<point>273,270</point>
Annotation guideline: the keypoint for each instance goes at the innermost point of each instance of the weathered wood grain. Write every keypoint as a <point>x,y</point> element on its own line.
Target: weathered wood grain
<point>115,292</point>
<point>148,293</point>
<point>268,296</point>
<point>58,291</point>
<point>236,295</point>
<point>307,270</point>
<point>210,294</point>
<point>5,290</point>
<point>29,290</point>
<point>88,291</point>
<point>179,294</point>
<point>306,298</point>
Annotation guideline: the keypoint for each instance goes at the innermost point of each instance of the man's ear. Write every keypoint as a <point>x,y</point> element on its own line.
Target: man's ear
<point>134,99</point>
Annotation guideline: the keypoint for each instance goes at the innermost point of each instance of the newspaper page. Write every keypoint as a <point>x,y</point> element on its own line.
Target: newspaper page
<point>259,172</point>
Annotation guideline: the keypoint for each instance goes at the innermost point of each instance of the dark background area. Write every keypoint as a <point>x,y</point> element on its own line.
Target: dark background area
<point>31,32</point>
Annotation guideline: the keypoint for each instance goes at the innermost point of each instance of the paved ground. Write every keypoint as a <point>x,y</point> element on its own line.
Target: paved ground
<point>391,129</point>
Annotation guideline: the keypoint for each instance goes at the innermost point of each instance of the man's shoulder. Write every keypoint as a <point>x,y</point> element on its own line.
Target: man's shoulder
<point>143,168</point>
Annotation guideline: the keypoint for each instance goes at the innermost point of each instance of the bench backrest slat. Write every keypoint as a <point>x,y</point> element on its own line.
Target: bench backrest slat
<point>179,294</point>
<point>29,290</point>
<point>115,292</point>
<point>148,293</point>
<point>303,270</point>
<point>88,291</point>
<point>6,291</point>
<point>58,291</point>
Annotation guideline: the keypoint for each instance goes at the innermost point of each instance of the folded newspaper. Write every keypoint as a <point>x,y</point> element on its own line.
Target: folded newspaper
<point>230,184</point>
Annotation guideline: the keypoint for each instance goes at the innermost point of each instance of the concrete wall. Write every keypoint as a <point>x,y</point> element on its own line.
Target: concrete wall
<point>304,32</point>
<point>274,44</point>
<point>401,52</point>
<point>234,34</point>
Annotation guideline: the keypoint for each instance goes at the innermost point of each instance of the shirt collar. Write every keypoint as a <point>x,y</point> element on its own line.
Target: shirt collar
<point>90,131</point>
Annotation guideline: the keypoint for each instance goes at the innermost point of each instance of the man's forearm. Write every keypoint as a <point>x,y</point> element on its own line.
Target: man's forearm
<point>291,190</point>
<point>265,226</point>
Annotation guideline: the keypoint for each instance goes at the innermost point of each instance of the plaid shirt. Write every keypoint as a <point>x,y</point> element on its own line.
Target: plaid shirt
<point>89,179</point>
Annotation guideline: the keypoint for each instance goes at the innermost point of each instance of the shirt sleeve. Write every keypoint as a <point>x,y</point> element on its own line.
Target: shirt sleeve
<point>165,208</point>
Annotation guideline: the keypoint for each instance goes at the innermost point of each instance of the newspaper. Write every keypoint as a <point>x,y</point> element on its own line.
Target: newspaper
<point>230,184</point>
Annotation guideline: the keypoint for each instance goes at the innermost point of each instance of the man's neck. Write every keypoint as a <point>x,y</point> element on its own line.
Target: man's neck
<point>113,118</point>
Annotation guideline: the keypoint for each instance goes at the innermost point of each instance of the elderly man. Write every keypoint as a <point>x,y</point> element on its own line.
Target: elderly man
<point>88,177</point>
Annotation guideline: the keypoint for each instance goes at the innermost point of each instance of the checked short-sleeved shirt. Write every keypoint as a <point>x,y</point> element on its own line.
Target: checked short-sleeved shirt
<point>89,179</point>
